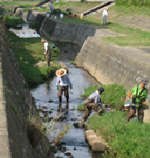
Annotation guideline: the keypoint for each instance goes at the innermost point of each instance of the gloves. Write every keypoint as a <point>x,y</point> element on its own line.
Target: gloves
<point>129,95</point>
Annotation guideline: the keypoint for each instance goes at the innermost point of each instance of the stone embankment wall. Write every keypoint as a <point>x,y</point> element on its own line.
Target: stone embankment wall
<point>15,104</point>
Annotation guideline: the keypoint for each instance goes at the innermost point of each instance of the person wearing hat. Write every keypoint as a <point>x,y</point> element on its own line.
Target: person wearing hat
<point>47,51</point>
<point>63,82</point>
<point>104,16</point>
<point>139,94</point>
<point>92,103</point>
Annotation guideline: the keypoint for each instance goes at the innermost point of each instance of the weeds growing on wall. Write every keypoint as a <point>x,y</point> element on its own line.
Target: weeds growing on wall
<point>29,51</point>
<point>138,3</point>
<point>127,140</point>
<point>113,94</point>
<point>12,21</point>
<point>72,62</point>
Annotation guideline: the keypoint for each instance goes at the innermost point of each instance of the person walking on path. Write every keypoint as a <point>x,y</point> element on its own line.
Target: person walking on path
<point>92,103</point>
<point>104,16</point>
<point>47,51</point>
<point>51,6</point>
<point>139,95</point>
<point>63,83</point>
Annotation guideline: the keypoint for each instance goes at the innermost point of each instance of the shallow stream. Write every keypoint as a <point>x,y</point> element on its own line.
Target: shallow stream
<point>74,140</point>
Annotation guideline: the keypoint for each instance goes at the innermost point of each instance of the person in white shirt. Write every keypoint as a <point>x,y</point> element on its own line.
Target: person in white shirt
<point>92,103</point>
<point>47,51</point>
<point>63,83</point>
<point>104,16</point>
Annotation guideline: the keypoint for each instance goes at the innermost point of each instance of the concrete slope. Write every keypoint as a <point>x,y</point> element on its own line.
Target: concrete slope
<point>59,31</point>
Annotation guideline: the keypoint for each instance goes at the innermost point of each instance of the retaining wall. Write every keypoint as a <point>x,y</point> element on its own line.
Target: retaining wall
<point>16,103</point>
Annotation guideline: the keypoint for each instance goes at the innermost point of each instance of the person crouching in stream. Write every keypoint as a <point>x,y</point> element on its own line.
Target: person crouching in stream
<point>93,101</point>
<point>47,51</point>
<point>63,83</point>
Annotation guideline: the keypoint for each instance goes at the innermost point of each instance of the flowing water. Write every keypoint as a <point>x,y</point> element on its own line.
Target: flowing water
<point>74,140</point>
<point>75,137</point>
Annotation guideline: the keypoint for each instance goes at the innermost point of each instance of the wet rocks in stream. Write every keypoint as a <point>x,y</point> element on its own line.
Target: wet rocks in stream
<point>73,119</point>
<point>50,101</point>
<point>79,125</point>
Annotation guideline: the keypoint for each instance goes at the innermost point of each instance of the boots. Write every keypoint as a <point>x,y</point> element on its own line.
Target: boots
<point>67,106</point>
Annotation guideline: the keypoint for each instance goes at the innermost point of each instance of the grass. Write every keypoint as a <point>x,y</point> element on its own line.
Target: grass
<point>31,50</point>
<point>137,3</point>
<point>114,94</point>
<point>87,20</point>
<point>72,62</point>
<point>134,37</point>
<point>33,25</point>
<point>126,139</point>
<point>75,4</point>
<point>132,10</point>
<point>20,3</point>
<point>14,109</point>
<point>81,107</point>
<point>12,21</point>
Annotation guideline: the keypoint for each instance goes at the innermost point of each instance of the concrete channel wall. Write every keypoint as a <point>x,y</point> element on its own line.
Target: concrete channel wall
<point>59,31</point>
<point>14,109</point>
<point>15,103</point>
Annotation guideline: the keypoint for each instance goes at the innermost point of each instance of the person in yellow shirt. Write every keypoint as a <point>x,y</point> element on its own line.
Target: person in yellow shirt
<point>139,94</point>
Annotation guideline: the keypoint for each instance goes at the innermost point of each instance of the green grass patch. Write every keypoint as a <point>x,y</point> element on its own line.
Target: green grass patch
<point>137,3</point>
<point>134,37</point>
<point>14,109</point>
<point>81,107</point>
<point>33,25</point>
<point>20,3</point>
<point>75,4</point>
<point>113,94</point>
<point>87,20</point>
<point>72,62</point>
<point>126,139</point>
<point>12,21</point>
<point>31,50</point>
<point>132,10</point>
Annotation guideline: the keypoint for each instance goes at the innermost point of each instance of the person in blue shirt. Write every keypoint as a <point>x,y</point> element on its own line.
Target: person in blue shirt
<point>92,103</point>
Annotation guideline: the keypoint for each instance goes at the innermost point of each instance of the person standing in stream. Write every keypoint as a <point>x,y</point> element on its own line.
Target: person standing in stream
<point>47,51</point>
<point>63,83</point>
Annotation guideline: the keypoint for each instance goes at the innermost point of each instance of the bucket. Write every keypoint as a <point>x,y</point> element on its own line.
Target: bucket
<point>81,16</point>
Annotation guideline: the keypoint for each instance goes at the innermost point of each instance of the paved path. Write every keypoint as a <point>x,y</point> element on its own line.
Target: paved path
<point>4,139</point>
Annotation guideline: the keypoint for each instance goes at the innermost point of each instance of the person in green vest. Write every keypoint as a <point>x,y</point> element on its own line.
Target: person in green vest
<point>139,95</point>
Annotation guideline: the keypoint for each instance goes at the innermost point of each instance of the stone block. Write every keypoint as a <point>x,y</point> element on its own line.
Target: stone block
<point>91,139</point>
<point>97,145</point>
<point>89,132</point>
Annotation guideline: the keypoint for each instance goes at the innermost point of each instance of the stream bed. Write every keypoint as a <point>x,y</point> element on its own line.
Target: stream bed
<point>74,140</point>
